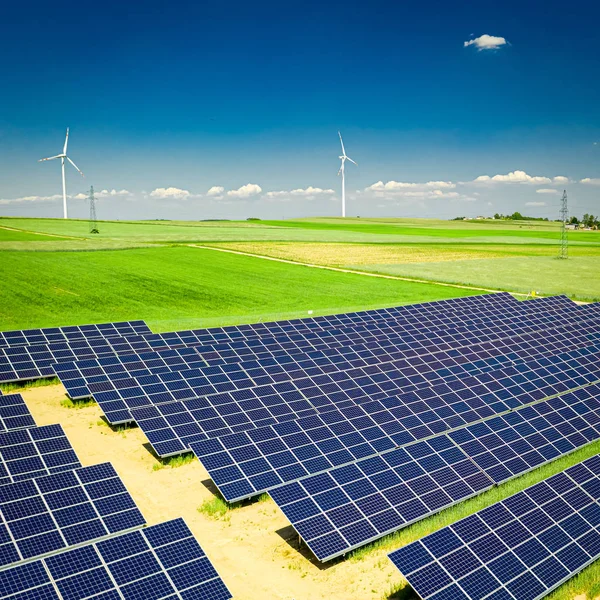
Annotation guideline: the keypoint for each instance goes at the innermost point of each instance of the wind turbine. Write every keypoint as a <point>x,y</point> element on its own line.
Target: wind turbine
<point>344,158</point>
<point>64,180</point>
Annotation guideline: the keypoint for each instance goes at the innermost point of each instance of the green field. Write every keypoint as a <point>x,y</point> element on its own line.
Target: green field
<point>175,275</point>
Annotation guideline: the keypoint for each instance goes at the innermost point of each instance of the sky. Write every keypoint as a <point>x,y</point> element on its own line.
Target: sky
<point>204,110</point>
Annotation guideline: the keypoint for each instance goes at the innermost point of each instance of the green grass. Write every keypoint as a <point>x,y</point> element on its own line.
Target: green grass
<point>13,388</point>
<point>216,507</point>
<point>173,462</point>
<point>83,403</point>
<point>179,287</point>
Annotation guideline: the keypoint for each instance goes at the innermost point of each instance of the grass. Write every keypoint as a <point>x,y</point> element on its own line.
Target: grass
<point>216,507</point>
<point>83,403</point>
<point>19,386</point>
<point>173,462</point>
<point>175,288</point>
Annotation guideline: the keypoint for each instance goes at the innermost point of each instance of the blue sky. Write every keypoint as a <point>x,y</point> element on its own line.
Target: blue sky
<point>168,101</point>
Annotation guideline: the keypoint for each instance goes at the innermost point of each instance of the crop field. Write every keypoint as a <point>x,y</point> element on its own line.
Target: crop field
<point>180,275</point>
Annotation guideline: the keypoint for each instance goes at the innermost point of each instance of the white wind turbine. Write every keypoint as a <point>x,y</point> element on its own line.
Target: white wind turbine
<point>62,160</point>
<point>344,158</point>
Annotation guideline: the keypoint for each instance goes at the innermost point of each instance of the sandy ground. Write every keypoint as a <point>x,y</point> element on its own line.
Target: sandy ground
<point>253,547</point>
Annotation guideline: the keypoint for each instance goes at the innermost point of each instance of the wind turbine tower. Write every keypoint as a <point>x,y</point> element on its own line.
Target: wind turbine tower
<point>62,157</point>
<point>341,172</point>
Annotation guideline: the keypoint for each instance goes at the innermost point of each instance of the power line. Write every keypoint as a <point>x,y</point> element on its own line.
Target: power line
<point>93,222</point>
<point>564,217</point>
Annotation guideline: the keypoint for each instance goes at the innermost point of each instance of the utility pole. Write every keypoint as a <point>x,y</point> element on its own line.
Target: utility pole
<point>93,223</point>
<point>564,217</point>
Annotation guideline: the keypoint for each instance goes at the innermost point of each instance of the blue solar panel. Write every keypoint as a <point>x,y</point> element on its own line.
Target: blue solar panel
<point>43,515</point>
<point>71,333</point>
<point>249,462</point>
<point>162,561</point>
<point>14,414</point>
<point>323,381</point>
<point>518,549</point>
<point>345,508</point>
<point>384,496</point>
<point>34,452</point>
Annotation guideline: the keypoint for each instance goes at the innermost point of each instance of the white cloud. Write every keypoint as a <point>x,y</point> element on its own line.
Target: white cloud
<point>250,189</point>
<point>216,190</point>
<point>309,193</point>
<point>560,179</point>
<point>52,198</point>
<point>513,177</point>
<point>399,186</point>
<point>113,193</point>
<point>535,204</point>
<point>590,181</point>
<point>487,42</point>
<point>171,192</point>
<point>546,191</point>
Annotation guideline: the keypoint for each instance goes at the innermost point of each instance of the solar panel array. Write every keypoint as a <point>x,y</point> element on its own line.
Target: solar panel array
<point>46,514</point>
<point>34,452</point>
<point>75,518</point>
<point>246,463</point>
<point>349,506</point>
<point>518,549</point>
<point>28,337</point>
<point>161,561</point>
<point>117,396</point>
<point>171,427</point>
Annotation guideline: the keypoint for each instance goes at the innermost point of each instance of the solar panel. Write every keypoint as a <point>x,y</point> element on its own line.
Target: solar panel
<point>518,549</point>
<point>43,515</point>
<point>14,414</point>
<point>71,333</point>
<point>313,374</point>
<point>186,421</point>
<point>34,452</point>
<point>161,561</point>
<point>512,444</point>
<point>246,463</point>
<point>352,505</point>
<point>376,496</point>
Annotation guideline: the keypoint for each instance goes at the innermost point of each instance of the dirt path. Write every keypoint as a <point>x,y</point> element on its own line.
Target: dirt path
<point>246,546</point>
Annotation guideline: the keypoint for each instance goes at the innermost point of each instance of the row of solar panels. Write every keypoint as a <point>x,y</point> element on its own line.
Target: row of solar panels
<point>71,532</point>
<point>120,391</point>
<point>520,548</point>
<point>23,362</point>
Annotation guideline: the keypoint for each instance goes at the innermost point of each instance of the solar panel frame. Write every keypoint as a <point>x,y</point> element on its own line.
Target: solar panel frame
<point>522,547</point>
<point>163,560</point>
<point>45,515</point>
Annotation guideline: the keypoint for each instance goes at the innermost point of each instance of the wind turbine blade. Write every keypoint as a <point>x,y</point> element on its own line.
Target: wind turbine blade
<point>342,142</point>
<point>348,158</point>
<point>66,142</point>
<point>75,166</point>
<point>50,158</point>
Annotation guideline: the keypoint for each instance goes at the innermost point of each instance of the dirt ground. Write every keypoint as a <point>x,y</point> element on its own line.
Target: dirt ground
<point>253,547</point>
